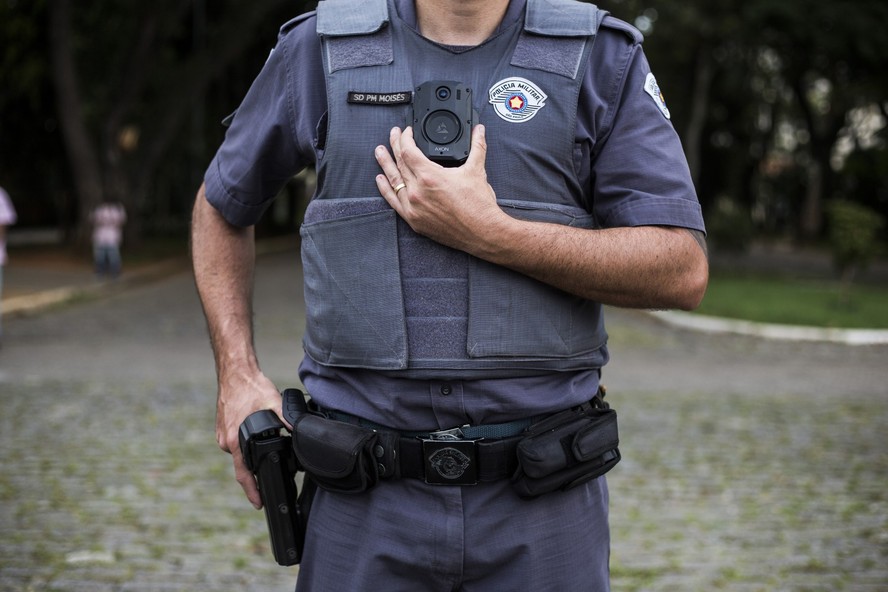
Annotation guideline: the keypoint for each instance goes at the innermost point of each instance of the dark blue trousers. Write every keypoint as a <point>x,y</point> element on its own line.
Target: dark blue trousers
<point>405,535</point>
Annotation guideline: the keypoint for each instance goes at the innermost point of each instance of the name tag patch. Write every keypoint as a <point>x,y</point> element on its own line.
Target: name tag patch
<point>375,98</point>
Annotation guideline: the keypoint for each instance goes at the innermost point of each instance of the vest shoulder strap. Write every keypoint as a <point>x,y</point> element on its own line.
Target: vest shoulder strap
<point>355,34</point>
<point>562,18</point>
<point>557,36</point>
<point>359,43</point>
<point>338,18</point>
<point>567,18</point>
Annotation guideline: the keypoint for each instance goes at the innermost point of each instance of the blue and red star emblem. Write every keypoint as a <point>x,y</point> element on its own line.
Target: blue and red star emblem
<point>516,103</point>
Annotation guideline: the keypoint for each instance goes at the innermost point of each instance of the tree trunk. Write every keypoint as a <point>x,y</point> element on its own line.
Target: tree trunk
<point>823,129</point>
<point>100,165</point>
<point>693,137</point>
<point>84,162</point>
<point>812,208</point>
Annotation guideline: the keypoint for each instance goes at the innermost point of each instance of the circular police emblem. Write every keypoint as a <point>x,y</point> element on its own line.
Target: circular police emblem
<point>450,463</point>
<point>517,99</point>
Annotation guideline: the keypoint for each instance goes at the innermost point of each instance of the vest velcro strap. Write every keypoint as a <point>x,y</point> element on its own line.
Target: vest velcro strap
<point>338,18</point>
<point>355,38</point>
<point>563,18</point>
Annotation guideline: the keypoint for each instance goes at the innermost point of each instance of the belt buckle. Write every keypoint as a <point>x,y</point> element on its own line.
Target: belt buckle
<point>450,459</point>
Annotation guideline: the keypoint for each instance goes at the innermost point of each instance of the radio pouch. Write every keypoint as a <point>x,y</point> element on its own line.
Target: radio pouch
<point>567,449</point>
<point>342,457</point>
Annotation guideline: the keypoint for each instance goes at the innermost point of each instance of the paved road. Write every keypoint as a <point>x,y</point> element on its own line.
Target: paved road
<point>749,465</point>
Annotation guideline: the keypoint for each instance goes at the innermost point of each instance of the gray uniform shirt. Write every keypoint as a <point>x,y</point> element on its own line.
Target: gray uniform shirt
<point>631,164</point>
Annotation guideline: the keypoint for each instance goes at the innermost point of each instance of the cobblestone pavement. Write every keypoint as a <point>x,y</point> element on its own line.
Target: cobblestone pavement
<point>749,465</point>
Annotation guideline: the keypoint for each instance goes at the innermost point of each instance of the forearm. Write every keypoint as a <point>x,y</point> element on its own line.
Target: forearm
<point>638,267</point>
<point>641,267</point>
<point>223,259</point>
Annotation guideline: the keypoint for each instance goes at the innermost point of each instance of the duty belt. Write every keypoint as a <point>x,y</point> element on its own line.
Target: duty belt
<point>463,455</point>
<point>346,454</point>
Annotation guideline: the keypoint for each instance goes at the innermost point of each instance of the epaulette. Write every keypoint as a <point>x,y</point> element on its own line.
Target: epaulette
<point>611,22</point>
<point>290,24</point>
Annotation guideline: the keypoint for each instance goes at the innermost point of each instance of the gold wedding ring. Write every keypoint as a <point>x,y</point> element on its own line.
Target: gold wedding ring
<point>400,187</point>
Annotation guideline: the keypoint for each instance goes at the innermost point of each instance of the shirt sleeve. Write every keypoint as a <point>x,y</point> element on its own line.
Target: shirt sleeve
<point>640,175</point>
<point>262,149</point>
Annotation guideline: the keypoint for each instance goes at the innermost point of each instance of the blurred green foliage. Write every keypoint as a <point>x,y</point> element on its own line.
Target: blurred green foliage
<point>853,238</point>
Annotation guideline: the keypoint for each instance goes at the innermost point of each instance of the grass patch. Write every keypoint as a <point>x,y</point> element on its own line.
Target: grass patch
<point>817,303</point>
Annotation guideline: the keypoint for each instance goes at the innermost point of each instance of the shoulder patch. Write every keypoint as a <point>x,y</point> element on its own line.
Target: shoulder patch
<point>652,88</point>
<point>616,24</point>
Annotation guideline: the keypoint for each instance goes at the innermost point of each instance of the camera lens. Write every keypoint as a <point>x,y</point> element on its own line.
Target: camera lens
<point>442,127</point>
<point>443,93</point>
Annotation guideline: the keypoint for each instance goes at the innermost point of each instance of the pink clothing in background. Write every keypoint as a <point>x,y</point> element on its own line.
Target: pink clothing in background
<point>7,218</point>
<point>108,220</point>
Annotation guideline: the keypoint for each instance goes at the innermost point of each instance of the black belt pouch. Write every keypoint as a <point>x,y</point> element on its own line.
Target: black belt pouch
<point>566,450</point>
<point>341,457</point>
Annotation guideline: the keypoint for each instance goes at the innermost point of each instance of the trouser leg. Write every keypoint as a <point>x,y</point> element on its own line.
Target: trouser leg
<point>559,541</point>
<point>114,262</point>
<point>406,535</point>
<point>100,260</point>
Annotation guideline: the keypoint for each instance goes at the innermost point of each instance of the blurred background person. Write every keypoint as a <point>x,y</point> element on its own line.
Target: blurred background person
<point>108,220</point>
<point>7,218</point>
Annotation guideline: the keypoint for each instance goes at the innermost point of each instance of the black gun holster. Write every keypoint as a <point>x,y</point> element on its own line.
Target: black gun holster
<point>268,452</point>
